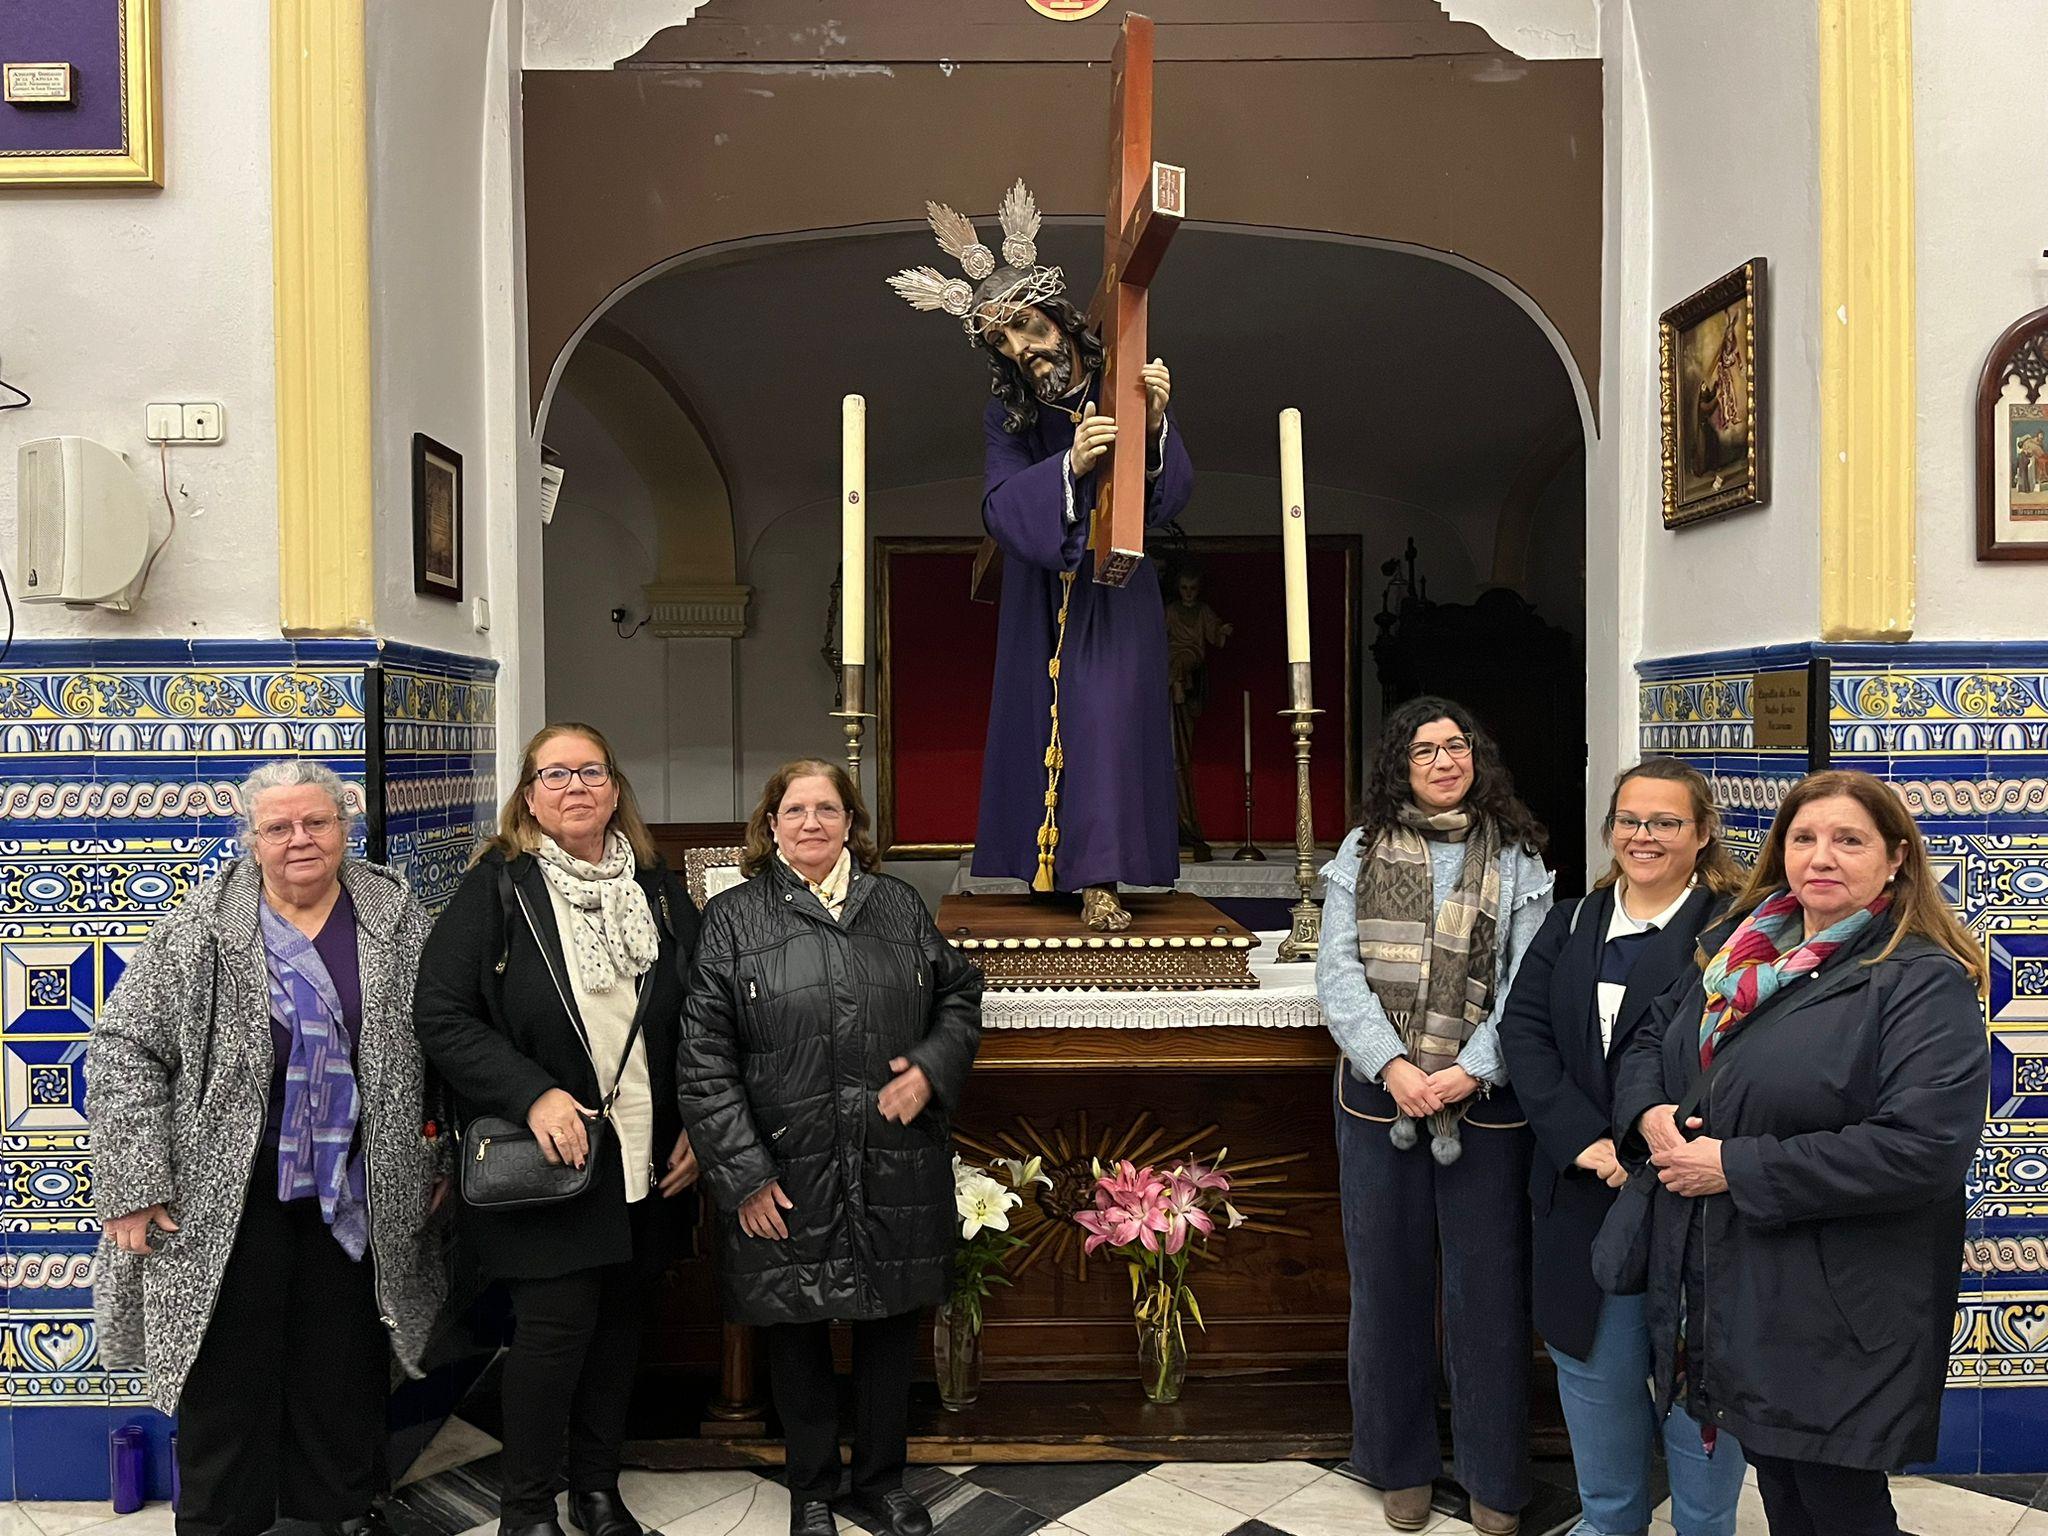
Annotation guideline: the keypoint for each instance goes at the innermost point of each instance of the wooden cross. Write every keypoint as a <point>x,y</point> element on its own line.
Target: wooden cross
<point>1146,203</point>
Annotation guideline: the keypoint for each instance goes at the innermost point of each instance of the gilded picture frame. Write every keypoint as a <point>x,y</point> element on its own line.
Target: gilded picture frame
<point>1711,368</point>
<point>43,146</point>
<point>2012,444</point>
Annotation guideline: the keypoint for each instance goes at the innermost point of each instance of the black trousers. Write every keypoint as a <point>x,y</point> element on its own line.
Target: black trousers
<point>1808,1498</point>
<point>807,1401</point>
<point>282,1415</point>
<point>1408,1221</point>
<point>568,1379</point>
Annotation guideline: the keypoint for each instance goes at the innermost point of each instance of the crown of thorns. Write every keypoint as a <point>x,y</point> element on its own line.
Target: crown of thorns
<point>1003,291</point>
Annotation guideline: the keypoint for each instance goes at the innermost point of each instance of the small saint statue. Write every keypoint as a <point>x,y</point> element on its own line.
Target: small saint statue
<point>1076,780</point>
<point>1192,629</point>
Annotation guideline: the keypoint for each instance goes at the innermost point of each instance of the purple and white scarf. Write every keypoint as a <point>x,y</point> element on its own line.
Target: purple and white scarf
<point>321,1102</point>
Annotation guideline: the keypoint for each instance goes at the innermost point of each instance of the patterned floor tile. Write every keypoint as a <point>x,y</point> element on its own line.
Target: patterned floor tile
<point>1931,1509</point>
<point>762,1510</point>
<point>1146,1506</point>
<point>456,1444</point>
<point>2024,1489</point>
<point>1053,1490</point>
<point>1333,1506</point>
<point>62,1518</point>
<point>2033,1523</point>
<point>1249,1487</point>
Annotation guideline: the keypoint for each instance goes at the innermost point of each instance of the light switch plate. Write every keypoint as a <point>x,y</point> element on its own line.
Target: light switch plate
<point>480,615</point>
<point>166,421</point>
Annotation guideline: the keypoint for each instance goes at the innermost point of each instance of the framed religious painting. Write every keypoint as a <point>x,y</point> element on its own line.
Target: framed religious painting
<point>1711,371</point>
<point>81,94</point>
<point>2012,444</point>
<point>1222,690</point>
<point>436,519</point>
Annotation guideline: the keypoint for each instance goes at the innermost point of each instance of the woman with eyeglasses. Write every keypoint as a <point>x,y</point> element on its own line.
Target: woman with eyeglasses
<point>264,1168</point>
<point>825,1046</point>
<point>1431,904</point>
<point>553,982</point>
<point>1585,988</point>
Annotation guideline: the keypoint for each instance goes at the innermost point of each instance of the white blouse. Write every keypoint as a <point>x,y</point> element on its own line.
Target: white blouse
<point>608,1016</point>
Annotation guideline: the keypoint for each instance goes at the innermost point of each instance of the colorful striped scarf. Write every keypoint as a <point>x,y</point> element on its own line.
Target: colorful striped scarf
<point>321,1103</point>
<point>1756,961</point>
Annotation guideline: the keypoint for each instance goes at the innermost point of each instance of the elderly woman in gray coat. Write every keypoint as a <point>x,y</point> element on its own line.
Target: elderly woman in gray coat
<point>265,1171</point>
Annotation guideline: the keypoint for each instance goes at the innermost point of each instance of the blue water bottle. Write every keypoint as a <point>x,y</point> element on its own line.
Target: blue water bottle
<point>125,1472</point>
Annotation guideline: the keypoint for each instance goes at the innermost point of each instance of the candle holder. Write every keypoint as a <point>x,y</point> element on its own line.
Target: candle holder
<point>1248,852</point>
<point>1306,937</point>
<point>853,712</point>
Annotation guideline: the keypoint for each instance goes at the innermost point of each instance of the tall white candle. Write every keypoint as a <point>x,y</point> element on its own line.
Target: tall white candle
<point>1247,733</point>
<point>1294,535</point>
<point>853,531</point>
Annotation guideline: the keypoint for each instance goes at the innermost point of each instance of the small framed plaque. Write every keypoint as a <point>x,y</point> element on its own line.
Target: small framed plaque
<point>436,519</point>
<point>1779,713</point>
<point>36,85</point>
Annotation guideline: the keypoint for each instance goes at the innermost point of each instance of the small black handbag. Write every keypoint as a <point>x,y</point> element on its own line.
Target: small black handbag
<point>502,1165</point>
<point>1621,1251</point>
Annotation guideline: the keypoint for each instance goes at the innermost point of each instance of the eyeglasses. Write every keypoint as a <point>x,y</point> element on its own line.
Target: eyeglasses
<point>1663,829</point>
<point>596,775</point>
<point>1424,753</point>
<point>797,815</point>
<point>277,833</point>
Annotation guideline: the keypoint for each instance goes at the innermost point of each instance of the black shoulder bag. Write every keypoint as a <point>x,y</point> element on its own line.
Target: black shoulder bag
<point>1621,1252</point>
<point>503,1168</point>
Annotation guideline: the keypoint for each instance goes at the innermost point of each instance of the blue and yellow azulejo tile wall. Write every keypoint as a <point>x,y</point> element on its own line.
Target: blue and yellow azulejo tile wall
<point>1961,734</point>
<point>119,767</point>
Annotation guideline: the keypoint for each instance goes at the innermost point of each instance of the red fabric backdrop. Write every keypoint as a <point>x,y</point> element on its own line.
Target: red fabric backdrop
<point>939,657</point>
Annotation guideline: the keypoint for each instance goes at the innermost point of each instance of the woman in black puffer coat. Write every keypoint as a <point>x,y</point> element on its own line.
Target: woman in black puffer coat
<point>828,1034</point>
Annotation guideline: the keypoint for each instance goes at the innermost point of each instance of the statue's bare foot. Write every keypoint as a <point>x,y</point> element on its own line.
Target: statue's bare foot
<point>1101,911</point>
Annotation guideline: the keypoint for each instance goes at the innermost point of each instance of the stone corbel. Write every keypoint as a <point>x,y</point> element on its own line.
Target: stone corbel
<point>689,611</point>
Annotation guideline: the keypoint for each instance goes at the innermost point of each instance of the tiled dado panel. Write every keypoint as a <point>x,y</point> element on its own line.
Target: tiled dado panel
<point>119,771</point>
<point>1961,733</point>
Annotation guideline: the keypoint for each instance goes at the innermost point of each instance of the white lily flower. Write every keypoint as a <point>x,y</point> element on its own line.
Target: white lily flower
<point>982,1203</point>
<point>1024,1174</point>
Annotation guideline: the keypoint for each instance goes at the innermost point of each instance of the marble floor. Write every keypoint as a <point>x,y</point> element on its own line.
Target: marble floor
<point>452,1490</point>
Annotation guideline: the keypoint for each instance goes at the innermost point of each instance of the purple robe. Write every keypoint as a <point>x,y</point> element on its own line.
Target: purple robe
<point>1116,804</point>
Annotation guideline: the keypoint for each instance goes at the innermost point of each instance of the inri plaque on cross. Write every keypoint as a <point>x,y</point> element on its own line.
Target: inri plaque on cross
<point>1147,201</point>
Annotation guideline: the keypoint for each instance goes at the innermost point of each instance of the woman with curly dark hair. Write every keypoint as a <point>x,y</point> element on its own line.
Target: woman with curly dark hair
<point>1431,904</point>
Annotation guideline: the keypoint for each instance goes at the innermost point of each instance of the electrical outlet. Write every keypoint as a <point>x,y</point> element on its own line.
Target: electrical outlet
<point>166,421</point>
<point>202,421</point>
<point>480,615</point>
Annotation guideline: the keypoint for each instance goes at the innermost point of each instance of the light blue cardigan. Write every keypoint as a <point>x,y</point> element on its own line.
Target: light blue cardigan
<point>1355,1018</point>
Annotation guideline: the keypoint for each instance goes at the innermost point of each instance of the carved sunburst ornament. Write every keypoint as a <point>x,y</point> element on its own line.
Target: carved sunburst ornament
<point>1045,1221</point>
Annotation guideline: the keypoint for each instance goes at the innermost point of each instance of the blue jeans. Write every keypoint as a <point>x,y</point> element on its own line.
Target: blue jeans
<point>1613,1423</point>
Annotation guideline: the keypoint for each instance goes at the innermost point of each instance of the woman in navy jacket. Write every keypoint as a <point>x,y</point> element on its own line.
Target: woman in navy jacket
<point>1585,987</point>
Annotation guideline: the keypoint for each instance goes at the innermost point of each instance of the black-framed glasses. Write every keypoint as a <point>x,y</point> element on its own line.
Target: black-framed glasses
<point>1457,748</point>
<point>594,775</point>
<point>1662,829</point>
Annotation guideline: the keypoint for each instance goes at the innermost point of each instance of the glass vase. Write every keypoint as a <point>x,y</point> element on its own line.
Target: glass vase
<point>1162,1360</point>
<point>956,1354</point>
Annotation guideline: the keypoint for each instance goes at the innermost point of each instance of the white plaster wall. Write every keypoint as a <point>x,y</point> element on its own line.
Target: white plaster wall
<point>111,298</point>
<point>430,73</point>
<point>1732,174</point>
<point>1981,224</point>
<point>1535,29</point>
<point>577,34</point>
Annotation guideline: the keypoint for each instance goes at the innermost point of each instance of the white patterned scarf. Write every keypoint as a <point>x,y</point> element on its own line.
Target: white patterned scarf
<point>612,928</point>
<point>830,891</point>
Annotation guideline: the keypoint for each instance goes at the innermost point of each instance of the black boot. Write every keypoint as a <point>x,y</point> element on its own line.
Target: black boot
<point>602,1514</point>
<point>811,1517</point>
<point>895,1513</point>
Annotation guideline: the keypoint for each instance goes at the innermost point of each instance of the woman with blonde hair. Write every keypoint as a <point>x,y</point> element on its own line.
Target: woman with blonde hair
<point>1586,985</point>
<point>825,1046</point>
<point>550,996</point>
<point>1811,1104</point>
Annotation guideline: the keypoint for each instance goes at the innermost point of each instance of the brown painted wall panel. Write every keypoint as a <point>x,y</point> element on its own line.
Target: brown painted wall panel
<point>1490,158</point>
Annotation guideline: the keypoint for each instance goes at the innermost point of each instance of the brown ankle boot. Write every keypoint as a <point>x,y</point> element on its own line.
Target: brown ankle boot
<point>1406,1509</point>
<point>1491,1522</point>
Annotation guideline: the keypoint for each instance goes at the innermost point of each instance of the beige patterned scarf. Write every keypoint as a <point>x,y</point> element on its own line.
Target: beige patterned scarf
<point>1431,966</point>
<point>830,891</point>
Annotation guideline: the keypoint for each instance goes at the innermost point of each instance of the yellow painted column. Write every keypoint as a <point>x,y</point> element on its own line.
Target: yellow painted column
<point>1866,248</point>
<point>320,197</point>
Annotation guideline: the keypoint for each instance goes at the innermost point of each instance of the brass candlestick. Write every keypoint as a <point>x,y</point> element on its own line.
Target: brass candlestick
<point>852,712</point>
<point>1306,937</point>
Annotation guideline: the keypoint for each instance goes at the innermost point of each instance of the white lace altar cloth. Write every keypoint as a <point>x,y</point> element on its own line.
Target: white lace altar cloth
<point>1285,998</point>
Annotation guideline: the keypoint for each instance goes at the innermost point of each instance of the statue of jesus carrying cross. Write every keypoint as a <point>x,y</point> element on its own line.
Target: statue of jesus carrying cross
<point>1081,456</point>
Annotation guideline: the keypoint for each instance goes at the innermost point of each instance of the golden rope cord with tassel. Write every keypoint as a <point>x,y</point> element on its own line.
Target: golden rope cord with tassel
<point>1055,758</point>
